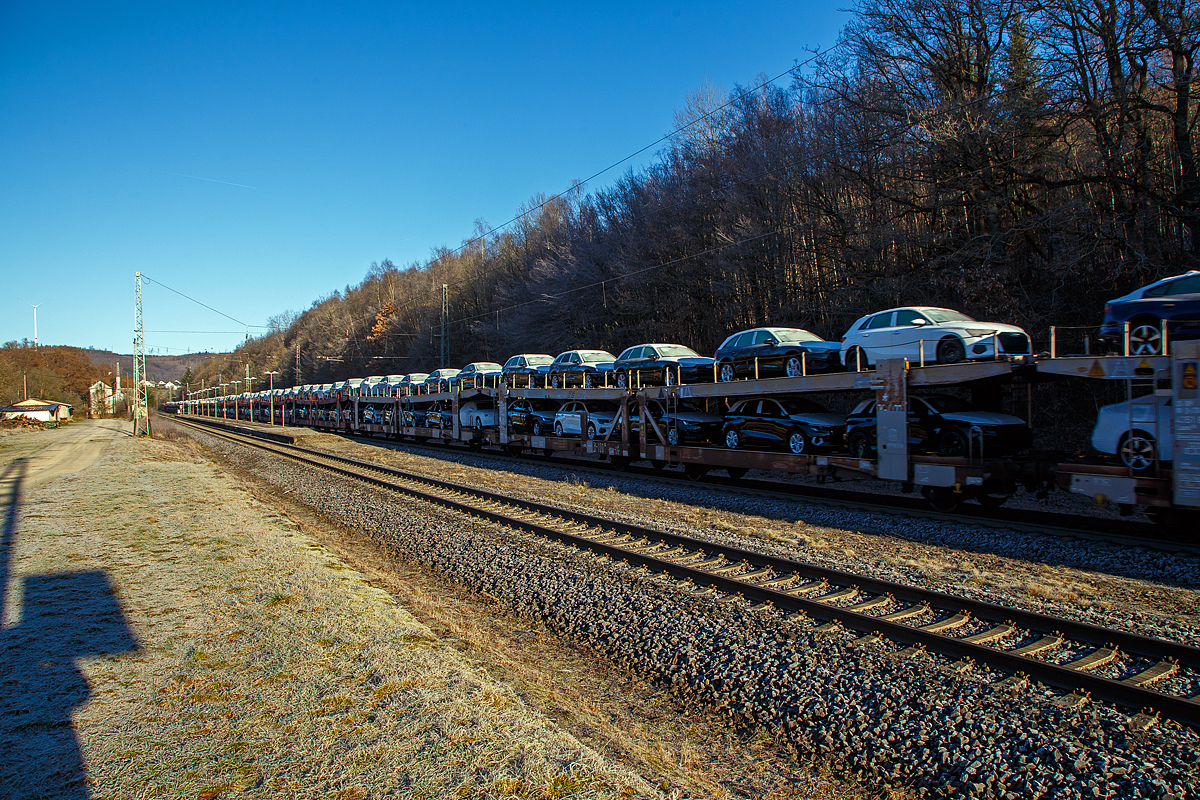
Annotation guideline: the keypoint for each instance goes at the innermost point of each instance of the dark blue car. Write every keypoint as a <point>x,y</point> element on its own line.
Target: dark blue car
<point>1174,301</point>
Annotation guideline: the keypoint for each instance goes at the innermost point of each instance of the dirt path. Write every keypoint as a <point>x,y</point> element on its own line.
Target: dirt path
<point>167,635</point>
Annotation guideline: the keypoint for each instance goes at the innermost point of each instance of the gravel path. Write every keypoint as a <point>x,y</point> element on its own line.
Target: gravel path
<point>166,635</point>
<point>906,721</point>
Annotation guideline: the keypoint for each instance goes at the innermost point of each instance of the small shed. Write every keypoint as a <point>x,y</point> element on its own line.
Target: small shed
<point>38,410</point>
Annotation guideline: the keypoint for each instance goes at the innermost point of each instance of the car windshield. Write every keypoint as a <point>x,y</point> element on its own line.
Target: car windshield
<point>675,351</point>
<point>592,356</point>
<point>539,361</point>
<point>485,366</point>
<point>946,315</point>
<point>794,335</point>
<point>601,406</point>
<point>944,405</point>
<point>802,406</point>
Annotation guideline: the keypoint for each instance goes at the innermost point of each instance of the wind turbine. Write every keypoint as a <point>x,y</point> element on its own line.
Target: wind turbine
<point>35,308</point>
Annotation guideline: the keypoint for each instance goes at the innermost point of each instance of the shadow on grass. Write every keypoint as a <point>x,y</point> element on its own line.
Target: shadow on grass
<point>64,617</point>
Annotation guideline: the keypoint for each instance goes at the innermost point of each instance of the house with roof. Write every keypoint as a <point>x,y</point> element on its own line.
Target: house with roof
<point>37,410</point>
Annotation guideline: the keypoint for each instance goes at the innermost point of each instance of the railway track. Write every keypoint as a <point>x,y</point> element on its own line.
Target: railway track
<point>1137,673</point>
<point>1119,532</point>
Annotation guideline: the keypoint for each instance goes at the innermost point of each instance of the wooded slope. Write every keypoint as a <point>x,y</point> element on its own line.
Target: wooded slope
<point>1019,161</point>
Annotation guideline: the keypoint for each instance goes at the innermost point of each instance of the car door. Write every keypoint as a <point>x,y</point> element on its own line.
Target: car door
<point>570,416</point>
<point>738,416</point>
<point>910,335</point>
<point>1181,305</point>
<point>649,366</point>
<point>773,422</point>
<point>762,347</point>
<point>924,425</point>
<point>518,414</point>
<point>752,424</point>
<point>631,361</point>
<point>739,354</point>
<point>877,336</point>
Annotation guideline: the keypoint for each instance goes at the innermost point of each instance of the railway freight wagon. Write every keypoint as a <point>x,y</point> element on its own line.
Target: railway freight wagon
<point>623,425</point>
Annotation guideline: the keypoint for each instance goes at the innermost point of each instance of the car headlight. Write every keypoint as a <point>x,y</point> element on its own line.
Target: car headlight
<point>979,332</point>
<point>687,423</point>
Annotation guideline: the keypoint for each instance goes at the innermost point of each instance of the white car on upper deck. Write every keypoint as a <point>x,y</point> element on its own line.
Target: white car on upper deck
<point>927,334</point>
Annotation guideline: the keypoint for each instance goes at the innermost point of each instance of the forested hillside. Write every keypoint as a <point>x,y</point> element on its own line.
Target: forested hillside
<point>62,374</point>
<point>1019,161</point>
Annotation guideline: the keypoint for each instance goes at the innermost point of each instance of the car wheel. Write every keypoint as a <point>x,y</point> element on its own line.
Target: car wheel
<point>953,444</point>
<point>797,441</point>
<point>1145,339</point>
<point>1138,451</point>
<point>478,424</point>
<point>558,431</point>
<point>591,433</point>
<point>670,378</point>
<point>673,437</point>
<point>859,444</point>
<point>950,351</point>
<point>856,359</point>
<point>725,372</point>
<point>732,438</point>
<point>793,367</point>
<point>554,380</point>
<point>622,380</point>
<point>537,428</point>
<point>588,381</point>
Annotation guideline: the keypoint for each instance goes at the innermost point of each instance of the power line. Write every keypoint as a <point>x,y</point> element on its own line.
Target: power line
<point>614,165</point>
<point>197,302</point>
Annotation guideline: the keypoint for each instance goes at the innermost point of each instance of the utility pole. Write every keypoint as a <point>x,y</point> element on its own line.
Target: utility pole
<point>445,325</point>
<point>271,394</point>
<point>141,411</point>
<point>299,380</point>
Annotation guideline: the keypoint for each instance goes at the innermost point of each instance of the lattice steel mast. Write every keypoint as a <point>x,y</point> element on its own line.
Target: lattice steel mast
<point>141,406</point>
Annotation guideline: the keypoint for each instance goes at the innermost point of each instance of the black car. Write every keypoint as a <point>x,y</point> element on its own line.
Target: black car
<point>661,364</point>
<point>1175,301</point>
<point>535,417</point>
<point>681,422</point>
<point>532,367</point>
<point>585,367</point>
<point>942,425</point>
<point>799,424</point>
<point>773,352</point>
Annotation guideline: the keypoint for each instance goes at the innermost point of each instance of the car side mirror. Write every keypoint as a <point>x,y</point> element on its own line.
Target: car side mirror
<point>772,342</point>
<point>919,322</point>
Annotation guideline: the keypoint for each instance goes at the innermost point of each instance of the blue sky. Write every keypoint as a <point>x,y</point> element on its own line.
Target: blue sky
<point>259,156</point>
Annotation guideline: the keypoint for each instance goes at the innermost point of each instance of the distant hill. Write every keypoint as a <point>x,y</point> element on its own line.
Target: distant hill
<point>158,368</point>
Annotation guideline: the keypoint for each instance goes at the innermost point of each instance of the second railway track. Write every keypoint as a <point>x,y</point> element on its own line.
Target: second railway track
<point>1135,672</point>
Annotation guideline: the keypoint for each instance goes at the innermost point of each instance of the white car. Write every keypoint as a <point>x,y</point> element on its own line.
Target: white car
<point>924,334</point>
<point>1139,432</point>
<point>600,416</point>
<point>477,414</point>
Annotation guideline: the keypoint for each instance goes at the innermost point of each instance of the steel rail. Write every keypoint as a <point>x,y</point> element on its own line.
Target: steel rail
<point>1122,693</point>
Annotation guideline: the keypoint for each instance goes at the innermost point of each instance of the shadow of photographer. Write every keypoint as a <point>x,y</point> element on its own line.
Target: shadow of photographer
<point>64,617</point>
